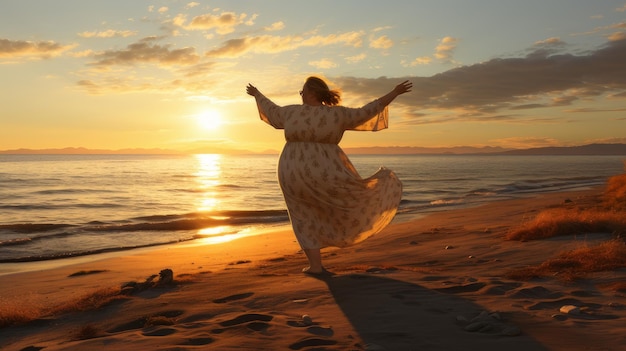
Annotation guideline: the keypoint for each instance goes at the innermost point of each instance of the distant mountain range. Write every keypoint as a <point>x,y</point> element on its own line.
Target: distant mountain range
<point>591,149</point>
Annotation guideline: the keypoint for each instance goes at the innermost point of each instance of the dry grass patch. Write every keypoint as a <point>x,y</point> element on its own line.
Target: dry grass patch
<point>575,264</point>
<point>14,312</point>
<point>607,217</point>
<point>91,301</point>
<point>561,221</point>
<point>88,331</point>
<point>615,194</point>
<point>20,311</point>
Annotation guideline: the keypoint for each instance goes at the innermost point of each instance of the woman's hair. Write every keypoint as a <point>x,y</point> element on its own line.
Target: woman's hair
<point>326,96</point>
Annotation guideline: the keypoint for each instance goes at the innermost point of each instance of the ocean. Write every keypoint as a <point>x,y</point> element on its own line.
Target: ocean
<point>54,207</point>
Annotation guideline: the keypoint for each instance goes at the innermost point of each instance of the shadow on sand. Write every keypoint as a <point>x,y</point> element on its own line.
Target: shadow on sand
<point>395,315</point>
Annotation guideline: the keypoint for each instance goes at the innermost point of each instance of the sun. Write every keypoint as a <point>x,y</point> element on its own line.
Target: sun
<point>209,119</point>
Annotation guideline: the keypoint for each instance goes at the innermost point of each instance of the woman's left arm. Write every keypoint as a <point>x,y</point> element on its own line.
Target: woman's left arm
<point>400,89</point>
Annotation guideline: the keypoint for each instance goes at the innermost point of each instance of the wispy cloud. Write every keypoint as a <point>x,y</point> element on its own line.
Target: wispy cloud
<point>382,42</point>
<point>446,48</point>
<point>423,60</point>
<point>145,51</point>
<point>356,58</point>
<point>109,33</point>
<point>273,44</point>
<point>223,23</point>
<point>323,64</point>
<point>41,49</point>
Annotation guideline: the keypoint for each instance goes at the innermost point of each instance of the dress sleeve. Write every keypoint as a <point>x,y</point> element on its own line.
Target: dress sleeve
<point>269,112</point>
<point>371,117</point>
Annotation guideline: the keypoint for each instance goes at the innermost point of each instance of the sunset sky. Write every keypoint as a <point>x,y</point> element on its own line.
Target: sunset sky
<point>172,74</point>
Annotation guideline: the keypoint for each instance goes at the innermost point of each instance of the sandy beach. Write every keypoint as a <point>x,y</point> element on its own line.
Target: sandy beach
<point>435,283</point>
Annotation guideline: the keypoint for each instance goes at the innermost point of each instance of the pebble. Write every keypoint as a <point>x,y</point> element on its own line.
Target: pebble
<point>307,320</point>
<point>570,309</point>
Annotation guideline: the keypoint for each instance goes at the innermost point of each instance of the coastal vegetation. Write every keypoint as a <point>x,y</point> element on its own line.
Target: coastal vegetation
<point>605,216</point>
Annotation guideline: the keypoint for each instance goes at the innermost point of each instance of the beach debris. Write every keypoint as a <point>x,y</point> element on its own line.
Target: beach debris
<point>166,277</point>
<point>570,309</point>
<point>304,321</point>
<point>307,320</point>
<point>239,262</point>
<point>81,273</point>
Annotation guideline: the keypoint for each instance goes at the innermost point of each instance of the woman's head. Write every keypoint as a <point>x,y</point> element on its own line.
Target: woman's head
<point>319,89</point>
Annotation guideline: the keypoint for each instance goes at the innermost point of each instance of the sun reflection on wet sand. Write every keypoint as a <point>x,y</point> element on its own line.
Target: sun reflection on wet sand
<point>216,238</point>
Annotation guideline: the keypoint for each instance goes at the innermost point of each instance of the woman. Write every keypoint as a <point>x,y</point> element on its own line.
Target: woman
<point>329,204</point>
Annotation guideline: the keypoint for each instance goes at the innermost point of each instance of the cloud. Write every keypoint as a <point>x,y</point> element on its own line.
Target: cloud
<point>323,64</point>
<point>356,58</point>
<point>382,42</point>
<point>446,48</point>
<point>424,60</point>
<point>110,33</point>
<point>275,26</point>
<point>40,49</point>
<point>224,23</point>
<point>145,51</point>
<point>273,44</point>
<point>526,142</point>
<point>538,80</point>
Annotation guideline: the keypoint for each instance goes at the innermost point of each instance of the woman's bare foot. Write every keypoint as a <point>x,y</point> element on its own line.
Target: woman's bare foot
<point>321,273</point>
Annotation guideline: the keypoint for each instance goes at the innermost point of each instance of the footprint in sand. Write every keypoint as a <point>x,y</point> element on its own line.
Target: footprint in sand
<point>246,318</point>
<point>536,292</point>
<point>473,287</point>
<point>198,341</point>
<point>159,331</point>
<point>311,342</point>
<point>253,321</point>
<point>145,321</point>
<point>233,297</point>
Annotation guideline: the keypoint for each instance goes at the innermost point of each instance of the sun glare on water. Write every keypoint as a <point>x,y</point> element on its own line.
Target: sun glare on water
<point>209,119</point>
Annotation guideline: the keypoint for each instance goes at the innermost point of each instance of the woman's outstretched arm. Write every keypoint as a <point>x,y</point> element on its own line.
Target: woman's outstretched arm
<point>252,90</point>
<point>400,89</point>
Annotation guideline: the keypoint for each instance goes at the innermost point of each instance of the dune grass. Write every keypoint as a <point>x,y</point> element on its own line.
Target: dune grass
<point>577,263</point>
<point>606,217</point>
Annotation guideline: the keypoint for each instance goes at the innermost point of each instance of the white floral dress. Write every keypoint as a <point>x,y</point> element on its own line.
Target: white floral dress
<point>329,204</point>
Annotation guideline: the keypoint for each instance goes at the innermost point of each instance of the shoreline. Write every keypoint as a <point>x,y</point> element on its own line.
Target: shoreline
<point>7,268</point>
<point>416,285</point>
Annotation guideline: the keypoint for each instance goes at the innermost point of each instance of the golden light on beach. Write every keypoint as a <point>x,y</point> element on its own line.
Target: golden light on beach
<point>209,119</point>
<point>208,177</point>
<point>216,235</point>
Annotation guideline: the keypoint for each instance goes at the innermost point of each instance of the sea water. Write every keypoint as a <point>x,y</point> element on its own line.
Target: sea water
<point>58,206</point>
